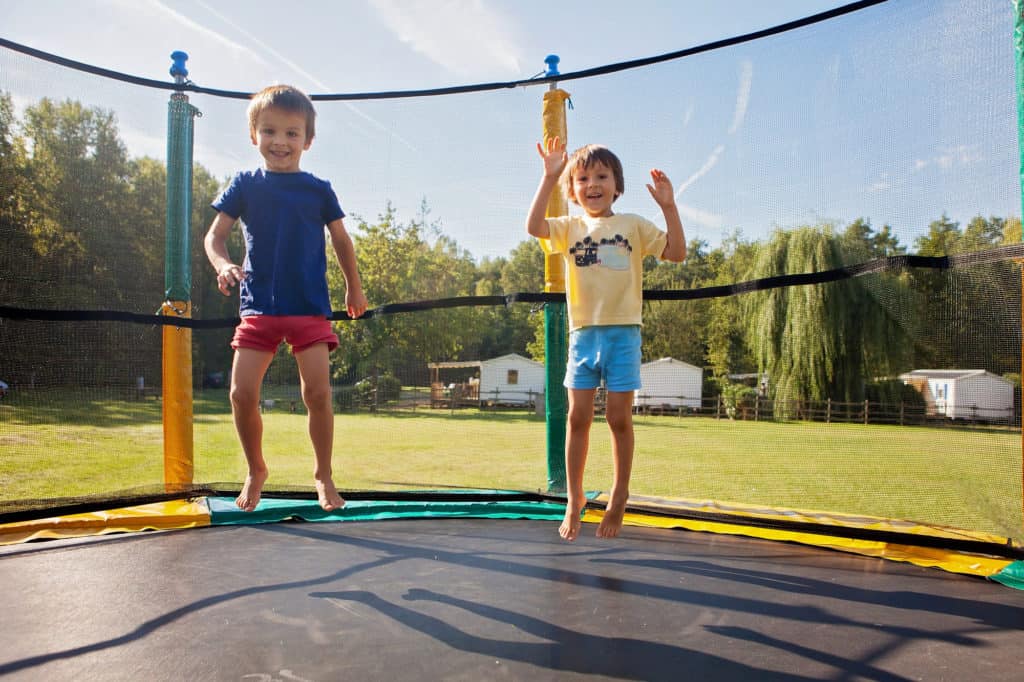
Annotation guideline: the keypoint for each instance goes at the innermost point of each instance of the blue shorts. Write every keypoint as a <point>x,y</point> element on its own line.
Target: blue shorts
<point>609,353</point>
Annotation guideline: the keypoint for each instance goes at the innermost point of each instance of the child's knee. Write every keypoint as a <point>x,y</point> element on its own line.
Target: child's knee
<point>619,422</point>
<point>244,398</point>
<point>316,396</point>
<point>580,420</point>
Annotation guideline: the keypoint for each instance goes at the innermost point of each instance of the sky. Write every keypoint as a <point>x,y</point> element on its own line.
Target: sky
<point>899,113</point>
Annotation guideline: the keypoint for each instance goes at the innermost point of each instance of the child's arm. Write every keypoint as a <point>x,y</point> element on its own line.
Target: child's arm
<point>554,157</point>
<point>661,190</point>
<point>355,300</point>
<point>228,273</point>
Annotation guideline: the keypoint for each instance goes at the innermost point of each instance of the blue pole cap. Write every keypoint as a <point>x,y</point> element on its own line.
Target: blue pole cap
<point>552,61</point>
<point>178,69</point>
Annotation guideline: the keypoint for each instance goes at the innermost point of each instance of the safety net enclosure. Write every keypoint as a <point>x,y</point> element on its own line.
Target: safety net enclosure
<point>843,341</point>
<point>835,366</point>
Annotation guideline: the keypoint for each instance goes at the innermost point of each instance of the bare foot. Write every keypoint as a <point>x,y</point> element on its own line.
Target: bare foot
<point>249,497</point>
<point>611,522</point>
<point>328,495</point>
<point>570,527</point>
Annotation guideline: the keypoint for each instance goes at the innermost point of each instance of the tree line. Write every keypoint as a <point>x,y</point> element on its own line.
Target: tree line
<point>82,227</point>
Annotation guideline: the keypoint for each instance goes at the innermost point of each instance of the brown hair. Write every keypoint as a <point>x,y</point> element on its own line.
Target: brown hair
<point>587,156</point>
<point>283,97</point>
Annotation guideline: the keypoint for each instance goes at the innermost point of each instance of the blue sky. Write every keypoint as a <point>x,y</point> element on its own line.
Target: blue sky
<point>898,113</point>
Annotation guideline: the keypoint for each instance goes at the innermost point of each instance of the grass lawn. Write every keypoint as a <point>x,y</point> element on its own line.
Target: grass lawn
<point>59,445</point>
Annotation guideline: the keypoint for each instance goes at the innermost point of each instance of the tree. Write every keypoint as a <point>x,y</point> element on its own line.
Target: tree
<point>1011,232</point>
<point>970,314</point>
<point>398,264</point>
<point>862,242</point>
<point>507,329</point>
<point>211,347</point>
<point>727,349</point>
<point>818,341</point>
<point>676,329</point>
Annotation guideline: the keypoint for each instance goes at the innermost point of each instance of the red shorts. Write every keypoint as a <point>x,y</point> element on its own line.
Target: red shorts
<point>266,332</point>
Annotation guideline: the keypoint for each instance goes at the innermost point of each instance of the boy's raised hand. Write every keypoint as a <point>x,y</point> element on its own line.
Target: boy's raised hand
<point>661,190</point>
<point>554,156</point>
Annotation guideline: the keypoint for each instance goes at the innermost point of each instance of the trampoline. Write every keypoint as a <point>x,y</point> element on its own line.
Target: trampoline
<point>911,577</point>
<point>470,598</point>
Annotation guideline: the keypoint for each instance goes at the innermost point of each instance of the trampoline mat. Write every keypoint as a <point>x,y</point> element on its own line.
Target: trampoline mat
<point>475,599</point>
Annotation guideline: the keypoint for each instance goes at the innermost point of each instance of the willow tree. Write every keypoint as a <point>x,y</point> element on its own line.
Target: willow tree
<point>828,340</point>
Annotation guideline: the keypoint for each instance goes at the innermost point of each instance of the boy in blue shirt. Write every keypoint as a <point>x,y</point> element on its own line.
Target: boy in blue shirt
<point>603,253</point>
<point>283,280</point>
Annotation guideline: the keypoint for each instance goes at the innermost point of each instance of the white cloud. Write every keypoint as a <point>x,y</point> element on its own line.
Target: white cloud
<point>742,95</point>
<point>467,37</point>
<point>688,115</point>
<point>881,184</point>
<point>691,215</point>
<point>703,170</point>
<point>290,64</point>
<point>948,157</point>
<point>183,20</point>
<point>143,143</point>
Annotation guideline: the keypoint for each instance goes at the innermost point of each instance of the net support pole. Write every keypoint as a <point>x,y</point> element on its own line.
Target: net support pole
<point>1018,51</point>
<point>177,341</point>
<point>555,321</point>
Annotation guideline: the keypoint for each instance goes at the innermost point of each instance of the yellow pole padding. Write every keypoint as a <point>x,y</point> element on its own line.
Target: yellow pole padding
<point>553,117</point>
<point>177,398</point>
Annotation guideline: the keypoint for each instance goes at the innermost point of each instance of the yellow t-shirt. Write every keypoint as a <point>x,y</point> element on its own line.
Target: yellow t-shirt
<point>604,265</point>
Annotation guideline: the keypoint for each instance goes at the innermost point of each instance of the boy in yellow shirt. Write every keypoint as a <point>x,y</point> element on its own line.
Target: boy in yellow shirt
<point>603,253</point>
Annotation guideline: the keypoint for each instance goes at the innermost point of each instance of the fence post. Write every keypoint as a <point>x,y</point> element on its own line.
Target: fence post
<point>828,411</point>
<point>866,420</point>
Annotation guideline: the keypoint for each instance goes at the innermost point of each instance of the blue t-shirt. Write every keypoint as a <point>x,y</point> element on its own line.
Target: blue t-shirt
<point>283,217</point>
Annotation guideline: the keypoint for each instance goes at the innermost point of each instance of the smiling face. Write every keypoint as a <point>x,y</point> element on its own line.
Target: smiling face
<point>281,137</point>
<point>593,179</point>
<point>594,189</point>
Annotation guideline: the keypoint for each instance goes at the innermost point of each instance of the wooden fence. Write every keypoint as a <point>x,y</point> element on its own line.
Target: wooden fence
<point>827,411</point>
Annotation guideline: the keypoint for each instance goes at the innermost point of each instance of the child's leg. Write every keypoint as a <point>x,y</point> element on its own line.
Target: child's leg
<point>247,372</point>
<point>581,416</point>
<point>619,412</point>
<point>315,370</point>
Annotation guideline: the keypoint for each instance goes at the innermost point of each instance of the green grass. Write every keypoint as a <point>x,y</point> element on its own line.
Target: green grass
<point>59,445</point>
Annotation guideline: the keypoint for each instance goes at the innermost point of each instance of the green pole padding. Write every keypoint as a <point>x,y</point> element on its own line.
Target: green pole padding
<point>556,353</point>
<point>224,511</point>
<point>177,259</point>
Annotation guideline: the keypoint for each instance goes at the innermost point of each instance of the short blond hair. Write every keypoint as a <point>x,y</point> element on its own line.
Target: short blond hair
<point>587,156</point>
<point>287,98</point>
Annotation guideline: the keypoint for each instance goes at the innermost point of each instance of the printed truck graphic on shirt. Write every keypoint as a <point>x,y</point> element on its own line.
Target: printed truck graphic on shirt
<point>610,253</point>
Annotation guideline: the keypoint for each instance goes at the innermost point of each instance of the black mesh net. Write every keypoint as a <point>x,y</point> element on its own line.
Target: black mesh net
<point>892,394</point>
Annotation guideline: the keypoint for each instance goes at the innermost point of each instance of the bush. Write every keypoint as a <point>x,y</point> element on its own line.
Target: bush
<point>893,391</point>
<point>345,398</point>
<point>389,389</point>
<point>361,393</point>
<point>735,394</point>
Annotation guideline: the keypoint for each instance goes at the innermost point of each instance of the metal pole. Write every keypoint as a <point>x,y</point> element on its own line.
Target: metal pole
<point>1018,49</point>
<point>177,341</point>
<point>555,318</point>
